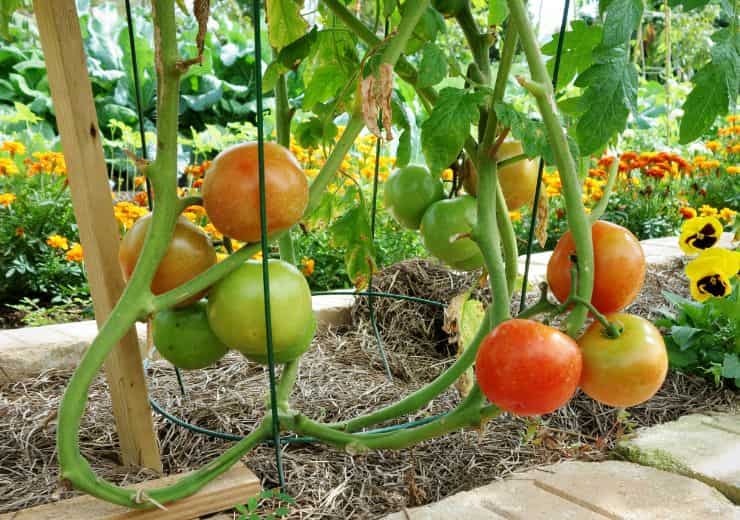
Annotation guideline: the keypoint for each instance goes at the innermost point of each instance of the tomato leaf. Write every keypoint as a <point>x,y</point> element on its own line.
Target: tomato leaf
<point>621,17</point>
<point>715,87</point>
<point>610,92</point>
<point>351,232</point>
<point>314,132</point>
<point>498,11</point>
<point>433,67</point>
<point>285,23</point>
<point>578,47</point>
<point>292,54</point>
<point>444,132</point>
<point>531,133</point>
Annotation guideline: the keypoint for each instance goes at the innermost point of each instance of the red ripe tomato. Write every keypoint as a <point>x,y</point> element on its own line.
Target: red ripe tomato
<point>528,368</point>
<point>189,254</point>
<point>627,370</point>
<point>619,267</point>
<point>231,191</point>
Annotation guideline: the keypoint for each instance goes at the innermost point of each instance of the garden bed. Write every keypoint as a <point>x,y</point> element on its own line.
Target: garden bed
<point>342,377</point>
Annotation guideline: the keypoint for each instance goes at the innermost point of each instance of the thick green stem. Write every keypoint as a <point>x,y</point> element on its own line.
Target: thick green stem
<point>283,117</point>
<point>287,381</point>
<point>414,9</point>
<point>477,41</point>
<point>421,397</point>
<point>508,239</point>
<point>600,208</point>
<point>578,221</point>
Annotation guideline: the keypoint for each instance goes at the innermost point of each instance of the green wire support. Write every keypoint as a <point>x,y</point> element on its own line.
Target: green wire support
<point>541,169</point>
<point>256,21</point>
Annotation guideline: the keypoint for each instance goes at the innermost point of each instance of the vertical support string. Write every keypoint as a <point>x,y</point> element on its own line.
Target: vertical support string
<point>265,244</point>
<point>540,171</point>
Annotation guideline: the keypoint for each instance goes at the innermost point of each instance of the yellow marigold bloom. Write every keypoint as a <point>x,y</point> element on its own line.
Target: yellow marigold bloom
<point>588,210</point>
<point>6,199</point>
<point>733,148</point>
<point>727,214</point>
<point>312,172</point>
<point>710,165</point>
<point>699,233</point>
<point>687,212</point>
<point>307,266</point>
<point>57,242</point>
<point>13,148</point>
<point>707,211</point>
<point>447,174</point>
<point>732,118</point>
<point>515,216</point>
<point>7,167</point>
<point>220,257</point>
<point>713,145</point>
<point>75,253</point>
<point>711,273</point>
<point>635,181</point>
<point>367,172</point>
<point>732,170</point>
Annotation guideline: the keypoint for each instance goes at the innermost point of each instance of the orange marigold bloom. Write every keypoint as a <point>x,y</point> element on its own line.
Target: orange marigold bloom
<point>141,198</point>
<point>687,212</point>
<point>733,170</point>
<point>307,266</point>
<point>597,173</point>
<point>13,148</point>
<point>713,145</point>
<point>629,156</point>
<point>57,242</point>
<point>6,199</point>
<point>447,174</point>
<point>7,167</point>
<point>75,253</point>
<point>139,180</point>
<point>606,161</point>
<point>198,183</point>
<point>656,173</point>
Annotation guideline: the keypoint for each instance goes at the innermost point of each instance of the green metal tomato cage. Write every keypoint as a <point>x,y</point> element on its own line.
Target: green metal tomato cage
<point>277,440</point>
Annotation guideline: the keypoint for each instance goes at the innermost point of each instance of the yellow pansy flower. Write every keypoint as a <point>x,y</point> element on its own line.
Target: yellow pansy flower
<point>698,234</point>
<point>711,273</point>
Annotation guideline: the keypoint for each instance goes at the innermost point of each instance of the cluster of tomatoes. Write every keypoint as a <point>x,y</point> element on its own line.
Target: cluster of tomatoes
<point>197,333</point>
<point>524,366</point>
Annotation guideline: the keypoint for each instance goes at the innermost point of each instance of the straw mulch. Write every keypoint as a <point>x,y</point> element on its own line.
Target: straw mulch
<point>340,377</point>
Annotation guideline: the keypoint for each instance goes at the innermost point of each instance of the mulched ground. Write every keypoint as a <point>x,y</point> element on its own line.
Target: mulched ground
<point>342,377</point>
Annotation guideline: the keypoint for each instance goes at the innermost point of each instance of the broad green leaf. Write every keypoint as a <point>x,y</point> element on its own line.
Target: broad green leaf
<point>444,132</point>
<point>715,87</point>
<point>272,73</point>
<point>313,132</point>
<point>403,152</point>
<point>324,85</point>
<point>578,47</point>
<point>531,133</point>
<point>684,336</point>
<point>621,18</point>
<point>731,366</point>
<point>291,56</point>
<point>285,23</point>
<point>433,67</point>
<point>609,92</point>
<point>351,232</point>
<point>498,11</point>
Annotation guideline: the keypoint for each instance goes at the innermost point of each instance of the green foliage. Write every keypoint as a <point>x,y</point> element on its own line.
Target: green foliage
<point>704,338</point>
<point>578,47</point>
<point>65,308</point>
<point>270,504</point>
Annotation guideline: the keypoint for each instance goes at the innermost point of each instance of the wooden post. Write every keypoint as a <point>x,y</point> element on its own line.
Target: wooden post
<point>61,40</point>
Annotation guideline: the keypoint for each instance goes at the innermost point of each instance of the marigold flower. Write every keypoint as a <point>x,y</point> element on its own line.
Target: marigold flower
<point>713,145</point>
<point>7,166</point>
<point>711,273</point>
<point>732,170</point>
<point>698,234</point>
<point>307,266</point>
<point>727,214</point>
<point>687,212</point>
<point>6,199</point>
<point>141,198</point>
<point>733,148</point>
<point>220,257</point>
<point>139,180</point>
<point>732,118</point>
<point>708,211</point>
<point>447,174</point>
<point>13,148</point>
<point>20,232</point>
<point>57,242</point>
<point>198,183</point>
<point>75,253</point>
<point>515,215</point>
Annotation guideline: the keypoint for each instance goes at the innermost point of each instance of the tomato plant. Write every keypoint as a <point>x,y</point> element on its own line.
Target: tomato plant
<point>231,191</point>
<point>189,253</point>
<point>619,267</point>
<point>528,368</point>
<point>441,226</point>
<point>518,180</point>
<point>627,370</point>
<point>184,338</point>
<point>409,192</point>
<point>236,311</point>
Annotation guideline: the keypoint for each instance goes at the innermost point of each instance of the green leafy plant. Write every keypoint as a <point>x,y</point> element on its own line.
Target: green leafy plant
<point>703,338</point>
<point>270,504</point>
<point>64,308</point>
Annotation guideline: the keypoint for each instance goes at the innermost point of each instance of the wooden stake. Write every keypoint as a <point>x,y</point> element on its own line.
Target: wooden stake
<point>61,40</point>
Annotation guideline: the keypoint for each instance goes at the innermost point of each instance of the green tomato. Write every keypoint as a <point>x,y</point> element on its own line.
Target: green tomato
<point>445,219</point>
<point>409,192</point>
<point>184,338</point>
<point>236,311</point>
<point>449,7</point>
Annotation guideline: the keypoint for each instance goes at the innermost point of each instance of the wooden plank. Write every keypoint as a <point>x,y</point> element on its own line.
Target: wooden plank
<point>61,40</point>
<point>235,486</point>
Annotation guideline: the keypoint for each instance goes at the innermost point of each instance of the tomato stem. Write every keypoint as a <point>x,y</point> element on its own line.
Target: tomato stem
<point>600,208</point>
<point>611,329</point>
<point>578,221</point>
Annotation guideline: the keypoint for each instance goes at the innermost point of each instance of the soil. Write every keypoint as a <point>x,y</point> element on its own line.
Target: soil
<point>342,377</point>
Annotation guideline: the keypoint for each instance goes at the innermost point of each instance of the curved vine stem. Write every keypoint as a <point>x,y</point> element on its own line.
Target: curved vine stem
<point>600,208</point>
<point>541,87</point>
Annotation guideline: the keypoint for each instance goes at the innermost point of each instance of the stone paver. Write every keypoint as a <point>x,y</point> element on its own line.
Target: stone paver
<point>700,446</point>
<point>584,490</point>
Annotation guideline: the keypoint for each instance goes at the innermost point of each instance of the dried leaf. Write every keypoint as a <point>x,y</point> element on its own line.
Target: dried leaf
<point>376,97</point>
<point>385,89</point>
<point>202,10</point>
<point>369,106</point>
<point>540,231</point>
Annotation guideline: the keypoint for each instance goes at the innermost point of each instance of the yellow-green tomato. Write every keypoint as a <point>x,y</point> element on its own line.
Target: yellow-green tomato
<point>627,370</point>
<point>184,338</point>
<point>442,222</point>
<point>236,311</point>
<point>408,192</point>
